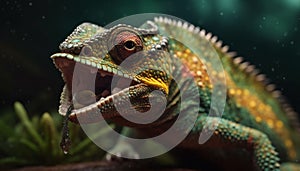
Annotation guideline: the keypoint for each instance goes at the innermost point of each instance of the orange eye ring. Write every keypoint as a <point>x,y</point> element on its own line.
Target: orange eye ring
<point>125,43</point>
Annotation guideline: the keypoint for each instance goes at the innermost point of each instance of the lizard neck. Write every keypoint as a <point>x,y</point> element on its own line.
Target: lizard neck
<point>184,97</point>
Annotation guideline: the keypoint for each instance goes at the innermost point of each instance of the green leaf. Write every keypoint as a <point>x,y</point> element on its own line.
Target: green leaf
<point>22,114</point>
<point>50,134</point>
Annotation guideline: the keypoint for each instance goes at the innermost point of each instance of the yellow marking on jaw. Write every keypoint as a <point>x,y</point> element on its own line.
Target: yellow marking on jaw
<point>156,82</point>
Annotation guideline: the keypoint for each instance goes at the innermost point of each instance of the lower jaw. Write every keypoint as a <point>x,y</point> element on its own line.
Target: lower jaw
<point>106,107</point>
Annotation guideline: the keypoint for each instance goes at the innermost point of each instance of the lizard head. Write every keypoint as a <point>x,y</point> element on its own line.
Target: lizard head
<point>102,68</point>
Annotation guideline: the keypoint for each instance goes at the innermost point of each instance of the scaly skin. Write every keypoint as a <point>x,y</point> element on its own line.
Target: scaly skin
<point>255,123</point>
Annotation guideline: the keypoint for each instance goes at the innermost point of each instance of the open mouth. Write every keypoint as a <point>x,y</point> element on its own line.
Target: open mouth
<point>90,85</point>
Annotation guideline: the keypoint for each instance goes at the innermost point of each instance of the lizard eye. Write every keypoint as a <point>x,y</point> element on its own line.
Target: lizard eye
<point>129,45</point>
<point>125,43</point>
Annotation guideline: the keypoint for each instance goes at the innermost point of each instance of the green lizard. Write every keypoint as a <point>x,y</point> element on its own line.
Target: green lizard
<point>258,130</point>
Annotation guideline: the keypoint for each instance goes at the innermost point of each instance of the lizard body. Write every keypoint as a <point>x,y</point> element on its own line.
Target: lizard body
<point>255,119</point>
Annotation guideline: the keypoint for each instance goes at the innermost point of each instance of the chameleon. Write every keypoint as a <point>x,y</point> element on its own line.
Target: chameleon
<point>258,130</point>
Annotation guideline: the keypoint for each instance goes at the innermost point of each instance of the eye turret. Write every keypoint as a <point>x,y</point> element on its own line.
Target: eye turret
<point>125,43</point>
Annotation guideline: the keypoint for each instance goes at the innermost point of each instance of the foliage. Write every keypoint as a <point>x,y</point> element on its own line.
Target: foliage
<point>35,141</point>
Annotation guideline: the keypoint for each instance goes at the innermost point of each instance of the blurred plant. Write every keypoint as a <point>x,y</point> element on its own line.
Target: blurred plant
<point>35,141</point>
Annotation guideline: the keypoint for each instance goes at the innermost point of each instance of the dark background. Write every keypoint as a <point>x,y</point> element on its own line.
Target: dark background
<point>265,32</point>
